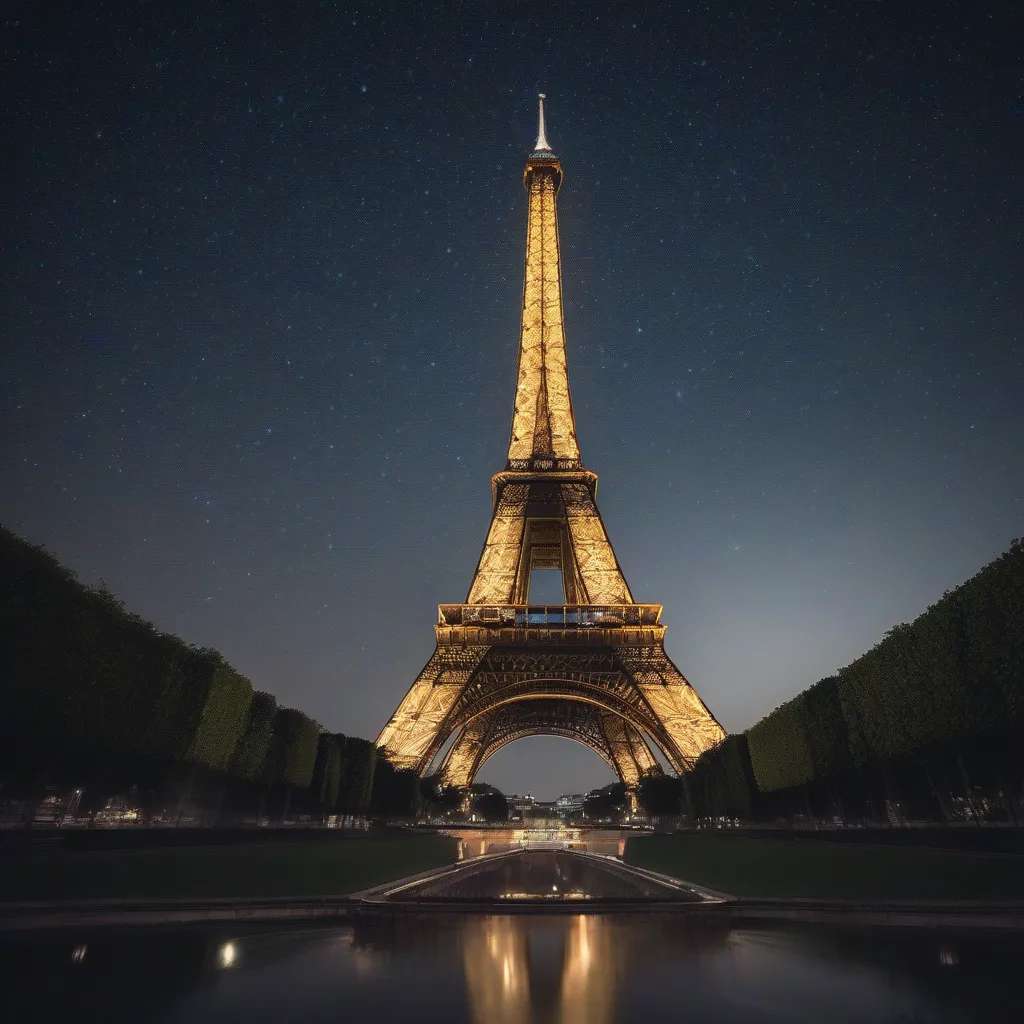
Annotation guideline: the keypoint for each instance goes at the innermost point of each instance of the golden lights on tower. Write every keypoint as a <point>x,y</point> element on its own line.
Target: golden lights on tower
<point>593,669</point>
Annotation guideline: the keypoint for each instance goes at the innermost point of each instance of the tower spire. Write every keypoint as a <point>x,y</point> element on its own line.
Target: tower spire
<point>543,425</point>
<point>542,139</point>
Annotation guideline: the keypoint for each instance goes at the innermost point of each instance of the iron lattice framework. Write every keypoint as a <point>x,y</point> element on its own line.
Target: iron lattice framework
<point>593,669</point>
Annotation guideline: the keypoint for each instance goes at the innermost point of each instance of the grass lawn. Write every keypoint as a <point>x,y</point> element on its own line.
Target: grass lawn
<point>246,869</point>
<point>822,870</point>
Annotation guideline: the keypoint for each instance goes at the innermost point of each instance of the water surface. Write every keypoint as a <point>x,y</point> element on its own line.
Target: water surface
<point>511,969</point>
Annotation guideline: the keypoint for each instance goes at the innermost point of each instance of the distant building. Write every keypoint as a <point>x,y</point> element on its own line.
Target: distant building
<point>569,805</point>
<point>524,808</point>
<point>541,809</point>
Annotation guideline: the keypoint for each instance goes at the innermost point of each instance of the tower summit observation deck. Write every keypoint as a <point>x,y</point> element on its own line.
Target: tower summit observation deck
<point>593,669</point>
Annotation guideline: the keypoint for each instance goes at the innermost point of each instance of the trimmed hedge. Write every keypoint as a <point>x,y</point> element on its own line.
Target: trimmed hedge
<point>249,758</point>
<point>952,676</point>
<point>780,754</point>
<point>955,672</point>
<point>293,748</point>
<point>721,782</point>
<point>79,671</point>
<point>90,690</point>
<point>327,772</point>
<point>359,759</point>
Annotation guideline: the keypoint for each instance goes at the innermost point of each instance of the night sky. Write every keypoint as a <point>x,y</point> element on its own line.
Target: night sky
<point>262,275</point>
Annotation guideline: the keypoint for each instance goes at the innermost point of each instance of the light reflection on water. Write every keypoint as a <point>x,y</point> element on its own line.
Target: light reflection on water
<point>496,955</point>
<point>511,969</point>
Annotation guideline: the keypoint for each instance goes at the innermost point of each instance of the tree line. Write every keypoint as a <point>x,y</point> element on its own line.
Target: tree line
<point>926,726</point>
<point>96,700</point>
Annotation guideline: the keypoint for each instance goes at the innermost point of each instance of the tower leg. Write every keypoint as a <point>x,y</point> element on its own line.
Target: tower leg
<point>413,727</point>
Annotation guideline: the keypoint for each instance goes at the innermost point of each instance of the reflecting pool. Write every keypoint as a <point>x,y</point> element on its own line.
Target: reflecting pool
<point>530,875</point>
<point>511,969</point>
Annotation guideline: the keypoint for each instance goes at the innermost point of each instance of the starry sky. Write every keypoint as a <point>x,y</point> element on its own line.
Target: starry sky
<point>262,271</point>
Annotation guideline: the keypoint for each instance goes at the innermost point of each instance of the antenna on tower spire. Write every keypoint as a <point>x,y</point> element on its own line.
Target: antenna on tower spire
<point>542,139</point>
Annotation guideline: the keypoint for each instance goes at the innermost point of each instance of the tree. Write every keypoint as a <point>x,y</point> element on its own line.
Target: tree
<point>212,711</point>
<point>293,748</point>
<point>92,687</point>
<point>249,758</point>
<point>491,806</point>
<point>607,803</point>
<point>327,772</point>
<point>441,798</point>
<point>779,754</point>
<point>292,754</point>
<point>661,795</point>
<point>200,716</point>
<point>80,674</point>
<point>359,759</point>
<point>396,791</point>
<point>994,635</point>
<point>738,784</point>
<point>828,738</point>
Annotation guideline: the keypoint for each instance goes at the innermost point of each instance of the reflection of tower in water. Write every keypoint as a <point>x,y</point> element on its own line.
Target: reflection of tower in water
<point>496,958</point>
<point>589,972</point>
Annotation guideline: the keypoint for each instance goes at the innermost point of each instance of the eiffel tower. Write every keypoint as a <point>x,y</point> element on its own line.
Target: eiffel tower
<point>593,669</point>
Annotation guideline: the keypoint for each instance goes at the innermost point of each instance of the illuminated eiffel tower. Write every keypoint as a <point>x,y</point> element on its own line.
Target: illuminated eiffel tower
<point>593,669</point>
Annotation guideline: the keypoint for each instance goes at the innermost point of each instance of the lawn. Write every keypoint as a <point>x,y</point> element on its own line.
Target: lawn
<point>242,870</point>
<point>819,870</point>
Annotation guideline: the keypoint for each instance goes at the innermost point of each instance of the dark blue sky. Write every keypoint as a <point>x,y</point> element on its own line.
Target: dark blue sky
<point>262,276</point>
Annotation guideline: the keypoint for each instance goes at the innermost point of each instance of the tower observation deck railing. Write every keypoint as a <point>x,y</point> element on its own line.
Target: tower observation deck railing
<point>576,615</point>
